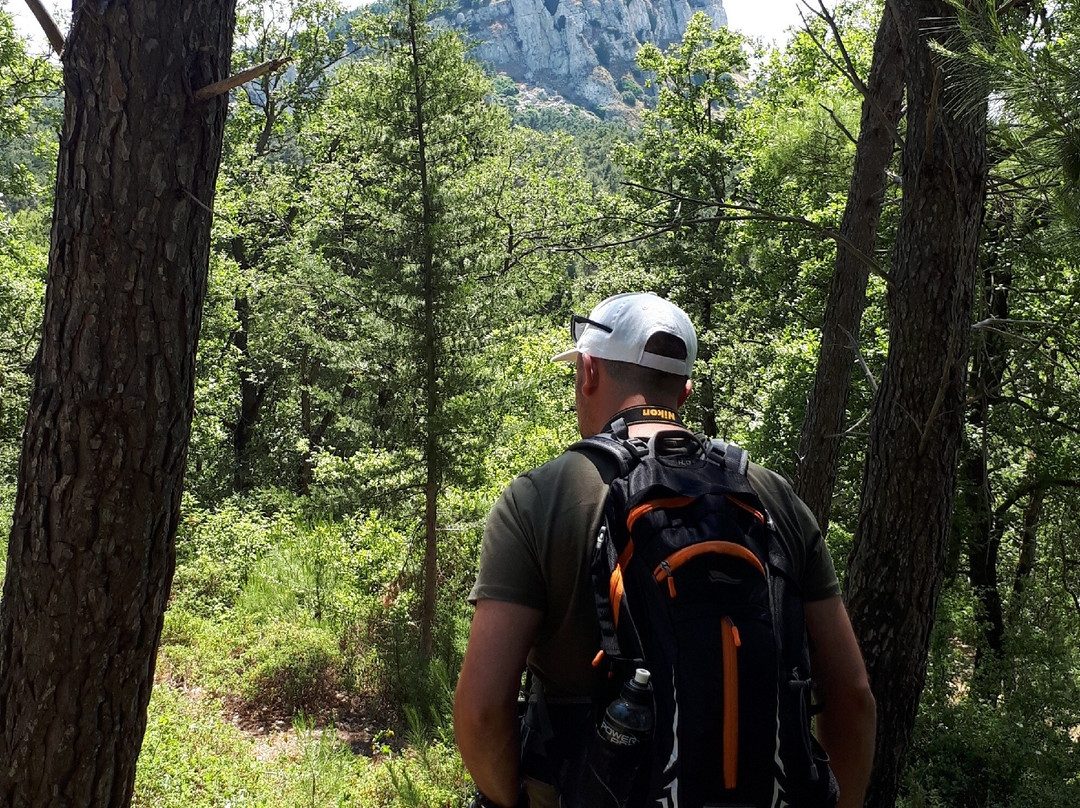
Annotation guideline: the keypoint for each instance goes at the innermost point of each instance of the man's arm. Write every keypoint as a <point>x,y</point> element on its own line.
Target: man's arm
<point>485,704</point>
<point>847,725</point>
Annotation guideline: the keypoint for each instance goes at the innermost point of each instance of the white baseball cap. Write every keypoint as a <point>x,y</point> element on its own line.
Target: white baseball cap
<point>620,327</point>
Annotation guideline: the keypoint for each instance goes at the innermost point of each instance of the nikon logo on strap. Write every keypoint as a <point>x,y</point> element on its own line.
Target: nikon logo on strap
<point>645,413</point>
<point>659,412</point>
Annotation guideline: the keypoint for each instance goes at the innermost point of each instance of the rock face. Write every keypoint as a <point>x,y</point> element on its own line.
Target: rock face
<point>582,49</point>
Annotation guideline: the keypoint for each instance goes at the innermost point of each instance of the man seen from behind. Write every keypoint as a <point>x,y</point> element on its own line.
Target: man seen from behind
<point>534,597</point>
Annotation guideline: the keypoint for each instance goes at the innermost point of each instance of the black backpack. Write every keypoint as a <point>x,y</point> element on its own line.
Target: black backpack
<point>691,583</point>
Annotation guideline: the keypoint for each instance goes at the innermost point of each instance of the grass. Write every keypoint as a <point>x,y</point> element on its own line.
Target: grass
<point>288,677</point>
<point>192,757</point>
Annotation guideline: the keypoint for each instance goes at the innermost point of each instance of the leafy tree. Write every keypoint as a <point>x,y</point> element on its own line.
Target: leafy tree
<point>285,343</point>
<point>682,171</point>
<point>424,195</point>
<point>1019,457</point>
<point>27,88</point>
<point>797,171</point>
<point>827,410</point>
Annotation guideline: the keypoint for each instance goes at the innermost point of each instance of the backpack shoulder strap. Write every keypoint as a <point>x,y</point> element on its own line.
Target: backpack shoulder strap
<point>625,452</point>
<point>732,457</point>
<point>736,461</point>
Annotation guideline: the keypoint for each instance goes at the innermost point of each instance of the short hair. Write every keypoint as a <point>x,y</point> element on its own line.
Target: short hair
<point>632,378</point>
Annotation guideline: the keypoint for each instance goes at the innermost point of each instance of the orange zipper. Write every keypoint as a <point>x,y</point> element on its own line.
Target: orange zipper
<point>656,504</point>
<point>730,642</point>
<point>615,582</point>
<point>757,514</point>
<point>666,568</point>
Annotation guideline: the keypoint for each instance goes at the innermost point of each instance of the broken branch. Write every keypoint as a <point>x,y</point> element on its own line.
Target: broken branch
<point>244,76</point>
<point>52,31</point>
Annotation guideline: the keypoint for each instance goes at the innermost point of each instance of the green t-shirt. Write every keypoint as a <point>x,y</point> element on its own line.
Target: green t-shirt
<point>537,547</point>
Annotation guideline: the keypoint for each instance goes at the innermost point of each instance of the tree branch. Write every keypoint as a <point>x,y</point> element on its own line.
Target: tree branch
<point>52,31</point>
<point>244,76</point>
<point>839,123</point>
<point>1039,414</point>
<point>1031,486</point>
<point>862,360</point>
<point>847,69</point>
<point>762,215</point>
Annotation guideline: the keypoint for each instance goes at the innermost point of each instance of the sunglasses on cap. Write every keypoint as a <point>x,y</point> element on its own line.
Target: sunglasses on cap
<point>578,323</point>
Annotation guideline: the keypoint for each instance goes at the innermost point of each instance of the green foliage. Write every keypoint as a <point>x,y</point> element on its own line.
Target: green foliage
<point>296,667</point>
<point>216,552</point>
<point>191,757</point>
<point>593,138</point>
<point>28,117</point>
<point>27,158</point>
<point>1015,750</point>
<point>325,767</point>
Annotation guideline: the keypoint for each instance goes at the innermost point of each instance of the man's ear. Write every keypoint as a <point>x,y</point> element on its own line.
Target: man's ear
<point>685,394</point>
<point>590,374</point>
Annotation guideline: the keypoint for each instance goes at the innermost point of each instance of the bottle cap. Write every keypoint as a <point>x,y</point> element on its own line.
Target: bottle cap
<point>641,676</point>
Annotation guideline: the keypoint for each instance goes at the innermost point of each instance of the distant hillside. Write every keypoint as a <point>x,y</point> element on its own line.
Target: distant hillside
<point>581,49</point>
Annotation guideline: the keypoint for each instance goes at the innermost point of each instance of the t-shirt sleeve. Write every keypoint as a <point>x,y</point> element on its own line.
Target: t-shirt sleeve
<point>798,530</point>
<point>510,567</point>
<point>818,579</point>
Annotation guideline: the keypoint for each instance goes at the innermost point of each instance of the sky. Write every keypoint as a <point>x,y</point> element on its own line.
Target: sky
<point>767,19</point>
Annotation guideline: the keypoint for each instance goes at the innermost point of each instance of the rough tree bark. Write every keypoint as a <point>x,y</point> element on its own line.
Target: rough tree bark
<point>826,411</point>
<point>897,562</point>
<point>90,556</point>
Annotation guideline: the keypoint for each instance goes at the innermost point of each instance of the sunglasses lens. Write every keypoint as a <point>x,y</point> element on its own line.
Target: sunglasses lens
<point>578,324</point>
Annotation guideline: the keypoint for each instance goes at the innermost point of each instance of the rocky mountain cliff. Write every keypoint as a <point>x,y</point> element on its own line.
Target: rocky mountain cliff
<point>581,49</point>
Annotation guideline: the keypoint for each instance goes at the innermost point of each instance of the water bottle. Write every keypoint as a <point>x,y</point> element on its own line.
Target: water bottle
<point>618,749</point>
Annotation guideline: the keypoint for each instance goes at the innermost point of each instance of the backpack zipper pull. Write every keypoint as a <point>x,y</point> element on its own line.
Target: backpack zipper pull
<point>600,536</point>
<point>668,575</point>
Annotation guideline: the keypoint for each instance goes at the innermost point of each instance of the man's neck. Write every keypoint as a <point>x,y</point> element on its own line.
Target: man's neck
<point>647,430</point>
<point>643,420</point>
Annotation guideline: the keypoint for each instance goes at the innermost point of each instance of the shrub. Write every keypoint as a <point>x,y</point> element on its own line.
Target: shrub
<point>215,553</point>
<point>296,667</point>
<point>628,84</point>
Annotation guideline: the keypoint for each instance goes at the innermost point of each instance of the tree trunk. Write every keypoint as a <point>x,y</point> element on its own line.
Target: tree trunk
<point>826,411</point>
<point>1025,566</point>
<point>897,562</point>
<point>983,545</point>
<point>432,399</point>
<point>990,356</point>
<point>91,551</point>
<point>252,393</point>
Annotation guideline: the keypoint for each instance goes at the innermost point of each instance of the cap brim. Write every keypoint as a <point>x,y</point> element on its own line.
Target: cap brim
<point>567,356</point>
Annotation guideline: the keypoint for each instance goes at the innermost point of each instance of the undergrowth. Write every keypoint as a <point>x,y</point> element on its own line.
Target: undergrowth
<point>289,669</point>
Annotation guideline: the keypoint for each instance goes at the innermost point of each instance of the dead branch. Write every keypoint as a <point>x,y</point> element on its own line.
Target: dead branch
<point>847,69</point>
<point>862,360</point>
<point>761,215</point>
<point>839,123</point>
<point>244,76</point>
<point>52,31</point>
